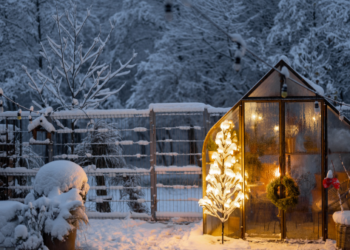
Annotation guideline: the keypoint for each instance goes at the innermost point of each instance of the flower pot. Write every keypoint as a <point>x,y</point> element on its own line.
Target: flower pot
<point>342,236</point>
<point>56,244</point>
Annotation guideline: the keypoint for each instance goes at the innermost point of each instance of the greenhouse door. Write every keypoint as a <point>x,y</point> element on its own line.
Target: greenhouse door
<point>261,166</point>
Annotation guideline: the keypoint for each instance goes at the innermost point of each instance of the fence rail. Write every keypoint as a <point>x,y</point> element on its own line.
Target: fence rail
<point>141,163</point>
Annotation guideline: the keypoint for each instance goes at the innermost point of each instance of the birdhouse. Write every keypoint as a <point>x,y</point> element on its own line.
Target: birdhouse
<point>284,128</point>
<point>41,124</point>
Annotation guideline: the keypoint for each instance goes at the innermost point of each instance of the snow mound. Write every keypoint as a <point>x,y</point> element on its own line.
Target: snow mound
<point>62,174</point>
<point>342,217</point>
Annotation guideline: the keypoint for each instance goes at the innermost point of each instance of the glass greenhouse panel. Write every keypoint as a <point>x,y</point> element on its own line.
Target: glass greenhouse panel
<point>233,225</point>
<point>338,133</point>
<point>271,87</point>
<point>261,160</point>
<point>303,164</point>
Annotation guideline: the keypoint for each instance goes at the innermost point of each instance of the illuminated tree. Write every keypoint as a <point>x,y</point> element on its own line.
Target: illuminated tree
<point>224,184</point>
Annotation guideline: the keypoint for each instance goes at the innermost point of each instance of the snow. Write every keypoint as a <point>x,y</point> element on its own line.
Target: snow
<point>140,129</point>
<point>21,232</point>
<point>285,59</point>
<point>189,168</point>
<point>41,121</point>
<point>61,204</point>
<point>9,211</point>
<point>90,113</point>
<point>3,131</point>
<point>315,86</point>
<point>33,141</point>
<point>137,234</point>
<point>61,174</point>
<point>178,107</point>
<point>342,217</point>
<point>285,71</point>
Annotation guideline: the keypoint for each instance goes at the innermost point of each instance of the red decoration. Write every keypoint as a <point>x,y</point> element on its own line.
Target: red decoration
<point>327,182</point>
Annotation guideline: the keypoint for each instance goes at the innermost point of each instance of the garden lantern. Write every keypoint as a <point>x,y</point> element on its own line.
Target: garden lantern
<point>284,132</point>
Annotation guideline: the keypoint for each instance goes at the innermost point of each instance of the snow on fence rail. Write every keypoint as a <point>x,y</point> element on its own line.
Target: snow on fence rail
<point>160,147</point>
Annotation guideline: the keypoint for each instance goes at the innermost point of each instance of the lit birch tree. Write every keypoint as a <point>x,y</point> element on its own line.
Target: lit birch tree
<point>224,193</point>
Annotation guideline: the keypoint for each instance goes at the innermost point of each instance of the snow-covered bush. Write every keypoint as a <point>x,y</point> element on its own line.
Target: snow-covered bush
<point>98,143</point>
<point>10,217</point>
<point>56,207</point>
<point>28,234</point>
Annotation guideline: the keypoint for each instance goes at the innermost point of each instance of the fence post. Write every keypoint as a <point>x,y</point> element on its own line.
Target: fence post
<point>50,149</point>
<point>153,161</point>
<point>206,122</point>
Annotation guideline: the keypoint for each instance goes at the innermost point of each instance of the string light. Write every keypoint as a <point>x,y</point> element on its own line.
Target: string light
<point>19,114</point>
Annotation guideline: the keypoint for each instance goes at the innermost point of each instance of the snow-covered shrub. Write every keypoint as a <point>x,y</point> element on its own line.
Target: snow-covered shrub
<point>98,143</point>
<point>28,234</point>
<point>61,175</point>
<point>10,217</point>
<point>133,194</point>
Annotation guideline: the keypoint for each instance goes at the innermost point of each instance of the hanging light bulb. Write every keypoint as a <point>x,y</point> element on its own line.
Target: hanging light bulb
<point>238,58</point>
<point>19,114</point>
<point>317,108</point>
<point>168,7</point>
<point>284,90</point>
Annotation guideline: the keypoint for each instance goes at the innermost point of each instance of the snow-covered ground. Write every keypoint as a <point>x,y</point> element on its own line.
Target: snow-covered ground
<point>137,234</point>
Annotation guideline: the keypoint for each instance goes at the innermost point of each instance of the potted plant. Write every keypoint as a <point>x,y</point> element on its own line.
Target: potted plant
<point>59,191</point>
<point>341,218</point>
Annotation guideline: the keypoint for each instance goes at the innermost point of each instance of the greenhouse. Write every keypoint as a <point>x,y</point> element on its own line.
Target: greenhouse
<point>283,128</point>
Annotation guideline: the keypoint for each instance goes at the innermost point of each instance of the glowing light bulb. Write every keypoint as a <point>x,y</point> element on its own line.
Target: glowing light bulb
<point>260,118</point>
<point>276,128</point>
<point>254,116</point>
<point>314,118</point>
<point>277,172</point>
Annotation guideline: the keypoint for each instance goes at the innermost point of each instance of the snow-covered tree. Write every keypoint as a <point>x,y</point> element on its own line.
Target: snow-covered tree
<point>299,32</point>
<point>73,77</point>
<point>194,61</point>
<point>223,194</point>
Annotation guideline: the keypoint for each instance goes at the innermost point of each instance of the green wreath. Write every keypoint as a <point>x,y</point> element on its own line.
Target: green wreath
<point>292,191</point>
